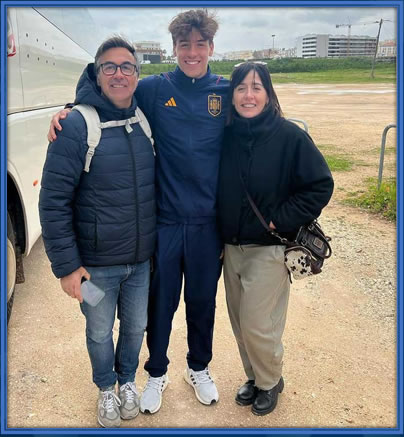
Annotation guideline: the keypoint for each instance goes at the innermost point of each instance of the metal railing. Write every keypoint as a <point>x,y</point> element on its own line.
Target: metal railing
<point>382,149</point>
<point>297,120</point>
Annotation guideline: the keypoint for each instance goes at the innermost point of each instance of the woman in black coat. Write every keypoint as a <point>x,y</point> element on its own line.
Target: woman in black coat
<point>290,182</point>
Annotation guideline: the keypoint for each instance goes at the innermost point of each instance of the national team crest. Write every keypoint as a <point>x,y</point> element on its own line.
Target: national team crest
<point>214,105</point>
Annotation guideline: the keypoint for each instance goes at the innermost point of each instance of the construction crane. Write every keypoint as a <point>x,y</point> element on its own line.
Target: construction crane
<point>380,22</point>
<point>357,24</point>
<point>349,35</point>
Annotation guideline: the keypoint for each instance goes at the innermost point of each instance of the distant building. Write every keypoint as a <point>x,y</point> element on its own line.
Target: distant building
<point>387,49</point>
<point>216,57</point>
<point>262,54</point>
<point>149,51</point>
<point>286,53</point>
<point>245,55</point>
<point>248,55</point>
<point>334,46</point>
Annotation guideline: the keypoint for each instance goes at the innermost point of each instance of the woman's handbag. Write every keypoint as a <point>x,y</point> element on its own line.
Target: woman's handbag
<point>305,255</point>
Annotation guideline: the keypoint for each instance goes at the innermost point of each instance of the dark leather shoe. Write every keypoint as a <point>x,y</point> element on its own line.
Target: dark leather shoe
<point>247,393</point>
<point>266,400</point>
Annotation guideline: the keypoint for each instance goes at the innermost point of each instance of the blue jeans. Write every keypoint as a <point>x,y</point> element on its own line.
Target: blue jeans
<point>126,288</point>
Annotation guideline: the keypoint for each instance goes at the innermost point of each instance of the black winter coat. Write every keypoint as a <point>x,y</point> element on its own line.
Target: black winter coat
<point>284,172</point>
<point>107,216</point>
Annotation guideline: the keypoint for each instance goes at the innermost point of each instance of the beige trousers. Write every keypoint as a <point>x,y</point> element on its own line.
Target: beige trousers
<point>257,293</point>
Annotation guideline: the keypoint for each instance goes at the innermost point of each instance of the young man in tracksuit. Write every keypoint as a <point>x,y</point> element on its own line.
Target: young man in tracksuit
<point>187,110</point>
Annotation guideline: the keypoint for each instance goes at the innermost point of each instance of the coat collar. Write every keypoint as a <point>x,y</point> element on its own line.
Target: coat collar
<point>256,130</point>
<point>185,80</point>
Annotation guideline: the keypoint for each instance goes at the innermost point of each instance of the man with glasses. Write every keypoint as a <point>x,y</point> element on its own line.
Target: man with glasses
<point>98,221</point>
<point>187,111</point>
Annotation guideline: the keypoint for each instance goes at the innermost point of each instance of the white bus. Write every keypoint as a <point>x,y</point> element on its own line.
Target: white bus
<point>44,61</point>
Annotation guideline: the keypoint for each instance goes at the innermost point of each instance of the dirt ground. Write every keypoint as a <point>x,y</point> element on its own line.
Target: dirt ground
<point>340,339</point>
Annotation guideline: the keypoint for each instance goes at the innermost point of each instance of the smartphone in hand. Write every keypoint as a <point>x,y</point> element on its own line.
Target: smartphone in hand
<point>91,293</point>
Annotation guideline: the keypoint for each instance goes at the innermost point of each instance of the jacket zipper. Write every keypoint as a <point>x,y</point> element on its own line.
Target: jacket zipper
<point>135,187</point>
<point>96,234</point>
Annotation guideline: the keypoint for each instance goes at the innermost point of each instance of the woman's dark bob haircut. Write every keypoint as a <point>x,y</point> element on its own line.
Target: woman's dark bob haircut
<point>238,75</point>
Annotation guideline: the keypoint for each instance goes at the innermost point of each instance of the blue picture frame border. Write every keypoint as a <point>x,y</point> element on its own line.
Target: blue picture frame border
<point>398,5</point>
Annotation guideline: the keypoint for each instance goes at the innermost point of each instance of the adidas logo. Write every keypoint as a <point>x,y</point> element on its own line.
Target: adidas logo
<point>170,102</point>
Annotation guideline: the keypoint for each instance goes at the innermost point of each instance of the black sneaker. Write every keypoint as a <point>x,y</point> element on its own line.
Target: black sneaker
<point>247,393</point>
<point>266,400</point>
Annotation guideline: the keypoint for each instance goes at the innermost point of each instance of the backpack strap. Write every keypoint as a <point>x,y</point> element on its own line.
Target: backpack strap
<point>144,124</point>
<point>94,128</point>
<point>92,120</point>
<point>138,118</point>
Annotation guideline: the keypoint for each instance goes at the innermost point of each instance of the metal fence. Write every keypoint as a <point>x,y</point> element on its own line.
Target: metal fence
<point>382,150</point>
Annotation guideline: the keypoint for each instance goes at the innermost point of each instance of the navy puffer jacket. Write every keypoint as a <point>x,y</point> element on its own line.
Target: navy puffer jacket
<point>107,216</point>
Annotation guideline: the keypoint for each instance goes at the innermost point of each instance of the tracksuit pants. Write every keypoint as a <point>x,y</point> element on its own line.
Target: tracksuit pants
<point>190,252</point>
<point>257,293</point>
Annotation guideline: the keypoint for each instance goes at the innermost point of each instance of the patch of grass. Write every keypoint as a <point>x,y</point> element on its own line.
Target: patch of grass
<point>338,163</point>
<point>387,151</point>
<point>382,201</point>
<point>326,147</point>
<point>384,75</point>
<point>310,71</point>
<point>331,76</point>
<point>363,164</point>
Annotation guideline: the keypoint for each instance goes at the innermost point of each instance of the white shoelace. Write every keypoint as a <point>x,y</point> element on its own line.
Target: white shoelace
<point>202,376</point>
<point>109,399</point>
<point>130,391</point>
<point>155,383</point>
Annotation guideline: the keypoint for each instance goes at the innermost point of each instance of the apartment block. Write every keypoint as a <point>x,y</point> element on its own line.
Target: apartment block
<point>334,46</point>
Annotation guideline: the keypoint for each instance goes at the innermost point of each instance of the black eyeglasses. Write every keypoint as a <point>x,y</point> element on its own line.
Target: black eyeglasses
<point>251,62</point>
<point>127,69</point>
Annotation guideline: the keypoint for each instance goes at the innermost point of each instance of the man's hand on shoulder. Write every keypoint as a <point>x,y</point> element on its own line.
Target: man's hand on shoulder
<point>61,115</point>
<point>71,283</point>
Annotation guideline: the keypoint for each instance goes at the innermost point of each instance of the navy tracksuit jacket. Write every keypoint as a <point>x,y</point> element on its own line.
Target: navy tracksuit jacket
<point>187,118</point>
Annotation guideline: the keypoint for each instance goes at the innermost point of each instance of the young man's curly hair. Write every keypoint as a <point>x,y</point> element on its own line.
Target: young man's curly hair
<point>202,21</point>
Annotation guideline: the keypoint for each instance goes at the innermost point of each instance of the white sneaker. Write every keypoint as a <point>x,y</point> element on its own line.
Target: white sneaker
<point>203,384</point>
<point>108,408</point>
<point>152,395</point>
<point>129,398</point>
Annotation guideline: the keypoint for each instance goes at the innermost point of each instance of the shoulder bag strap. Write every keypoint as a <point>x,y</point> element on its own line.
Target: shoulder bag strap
<point>257,211</point>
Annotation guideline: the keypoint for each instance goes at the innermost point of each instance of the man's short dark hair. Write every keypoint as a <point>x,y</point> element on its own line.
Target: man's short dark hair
<point>201,20</point>
<point>115,41</point>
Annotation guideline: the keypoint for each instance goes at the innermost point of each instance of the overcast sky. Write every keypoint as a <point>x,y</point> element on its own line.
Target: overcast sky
<point>248,27</point>
<point>240,28</point>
